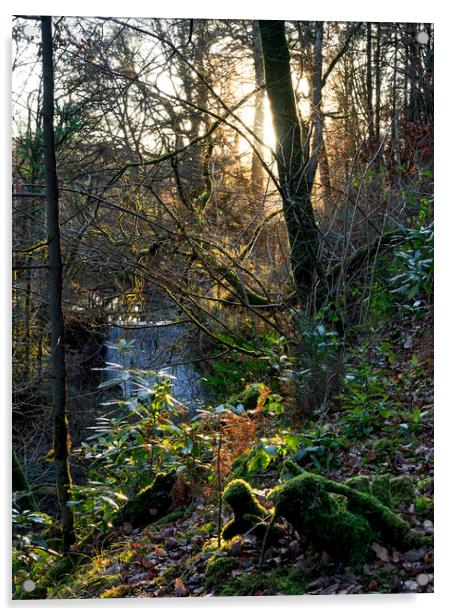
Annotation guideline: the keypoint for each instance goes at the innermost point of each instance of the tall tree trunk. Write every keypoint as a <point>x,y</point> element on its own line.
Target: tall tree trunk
<point>378,83</point>
<point>61,441</point>
<point>257,175</point>
<point>315,78</point>
<point>20,484</point>
<point>292,159</point>
<point>394,112</point>
<point>369,89</point>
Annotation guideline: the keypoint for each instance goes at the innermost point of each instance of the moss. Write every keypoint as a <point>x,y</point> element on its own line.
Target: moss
<point>389,526</point>
<point>291,469</point>
<point>402,491</point>
<point>316,515</point>
<point>219,565</point>
<point>150,504</point>
<point>345,529</point>
<point>248,398</point>
<point>425,485</point>
<point>381,488</point>
<point>360,483</point>
<point>423,506</point>
<point>247,511</point>
<point>170,517</point>
<point>391,491</point>
<point>278,581</point>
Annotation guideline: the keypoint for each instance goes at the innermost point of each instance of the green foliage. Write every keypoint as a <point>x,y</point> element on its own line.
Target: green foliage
<point>230,377</point>
<point>412,283</point>
<point>423,506</point>
<point>317,355</point>
<point>366,401</point>
<point>31,553</point>
<point>318,447</point>
<point>144,437</point>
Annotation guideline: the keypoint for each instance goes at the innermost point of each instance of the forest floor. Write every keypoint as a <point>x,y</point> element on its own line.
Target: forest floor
<point>169,558</point>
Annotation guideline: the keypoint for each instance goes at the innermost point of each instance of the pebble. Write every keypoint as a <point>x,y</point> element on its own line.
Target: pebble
<point>411,586</point>
<point>171,543</point>
<point>428,525</point>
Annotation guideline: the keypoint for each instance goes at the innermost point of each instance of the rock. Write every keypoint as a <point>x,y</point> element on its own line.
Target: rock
<point>428,525</point>
<point>171,543</point>
<point>411,586</point>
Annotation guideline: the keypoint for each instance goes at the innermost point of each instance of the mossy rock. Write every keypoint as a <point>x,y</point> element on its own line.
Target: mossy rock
<point>150,504</point>
<point>248,513</point>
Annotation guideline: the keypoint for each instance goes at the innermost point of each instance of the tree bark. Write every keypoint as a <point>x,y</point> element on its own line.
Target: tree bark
<point>378,84</point>
<point>61,441</point>
<point>257,172</point>
<point>292,159</point>
<point>20,484</point>
<point>369,89</point>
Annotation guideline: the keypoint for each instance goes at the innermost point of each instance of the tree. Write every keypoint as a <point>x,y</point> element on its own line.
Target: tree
<point>292,157</point>
<point>61,443</point>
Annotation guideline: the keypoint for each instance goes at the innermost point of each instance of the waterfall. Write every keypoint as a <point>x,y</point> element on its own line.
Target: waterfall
<point>157,346</point>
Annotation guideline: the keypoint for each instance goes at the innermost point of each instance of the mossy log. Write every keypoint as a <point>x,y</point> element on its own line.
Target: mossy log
<point>150,504</point>
<point>322,520</point>
<point>389,490</point>
<point>306,502</point>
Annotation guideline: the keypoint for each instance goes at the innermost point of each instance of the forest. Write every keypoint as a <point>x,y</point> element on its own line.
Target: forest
<point>222,307</point>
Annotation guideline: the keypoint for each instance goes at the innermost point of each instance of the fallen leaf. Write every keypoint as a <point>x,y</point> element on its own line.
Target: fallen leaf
<point>180,590</point>
<point>381,552</point>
